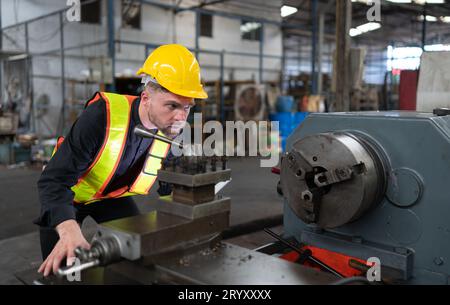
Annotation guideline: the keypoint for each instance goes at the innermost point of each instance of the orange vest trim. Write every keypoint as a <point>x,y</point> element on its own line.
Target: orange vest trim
<point>92,184</point>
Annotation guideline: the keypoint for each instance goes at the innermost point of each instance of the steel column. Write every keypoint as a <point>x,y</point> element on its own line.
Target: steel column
<point>222,97</point>
<point>111,43</point>
<point>63,77</point>
<point>343,22</point>
<point>261,53</point>
<point>314,45</point>
<point>197,35</point>
<point>424,29</point>
<point>320,53</point>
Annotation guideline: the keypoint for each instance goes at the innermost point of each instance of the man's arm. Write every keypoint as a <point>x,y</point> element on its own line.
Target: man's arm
<point>70,161</point>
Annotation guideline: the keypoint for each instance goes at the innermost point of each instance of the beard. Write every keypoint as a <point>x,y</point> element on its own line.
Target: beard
<point>176,128</point>
<point>171,130</point>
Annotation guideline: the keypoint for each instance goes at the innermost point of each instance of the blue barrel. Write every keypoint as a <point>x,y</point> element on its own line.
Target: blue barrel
<point>285,122</point>
<point>284,103</point>
<point>283,142</point>
<point>286,125</point>
<point>299,117</point>
<point>288,121</point>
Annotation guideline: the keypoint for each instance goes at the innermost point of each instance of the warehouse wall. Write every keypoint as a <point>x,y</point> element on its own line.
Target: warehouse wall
<point>158,26</point>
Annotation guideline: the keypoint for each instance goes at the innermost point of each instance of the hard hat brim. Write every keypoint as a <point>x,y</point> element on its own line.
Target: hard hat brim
<point>186,93</point>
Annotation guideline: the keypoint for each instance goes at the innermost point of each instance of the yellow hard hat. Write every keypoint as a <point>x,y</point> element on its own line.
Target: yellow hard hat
<point>176,69</point>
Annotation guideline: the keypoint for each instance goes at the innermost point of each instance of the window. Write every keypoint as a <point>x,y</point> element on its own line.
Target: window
<point>403,58</point>
<point>90,12</point>
<point>131,14</point>
<point>250,30</point>
<point>206,25</point>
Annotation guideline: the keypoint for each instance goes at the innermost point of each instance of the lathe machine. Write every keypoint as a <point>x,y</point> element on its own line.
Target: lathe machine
<point>373,185</point>
<point>357,186</point>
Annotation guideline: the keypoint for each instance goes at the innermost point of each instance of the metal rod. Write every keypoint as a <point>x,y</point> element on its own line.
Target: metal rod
<point>299,251</point>
<point>85,45</point>
<point>65,271</point>
<point>208,51</point>
<point>252,226</point>
<point>144,132</point>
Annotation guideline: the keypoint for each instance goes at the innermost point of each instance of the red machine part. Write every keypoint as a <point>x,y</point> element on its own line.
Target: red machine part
<point>408,89</point>
<point>337,261</point>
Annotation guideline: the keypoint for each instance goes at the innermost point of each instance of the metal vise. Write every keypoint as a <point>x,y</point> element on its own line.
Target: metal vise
<point>194,215</point>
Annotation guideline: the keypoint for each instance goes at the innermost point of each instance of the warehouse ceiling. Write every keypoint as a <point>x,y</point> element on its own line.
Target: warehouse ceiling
<point>400,23</point>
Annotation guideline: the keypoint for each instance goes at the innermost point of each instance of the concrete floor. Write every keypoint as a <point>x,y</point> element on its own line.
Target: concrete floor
<point>252,190</point>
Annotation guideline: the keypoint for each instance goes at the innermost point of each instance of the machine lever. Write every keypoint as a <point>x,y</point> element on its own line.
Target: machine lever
<point>301,252</point>
<point>145,133</point>
<point>65,271</point>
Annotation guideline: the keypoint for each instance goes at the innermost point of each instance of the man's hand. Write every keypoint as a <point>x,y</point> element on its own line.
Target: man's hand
<point>70,237</point>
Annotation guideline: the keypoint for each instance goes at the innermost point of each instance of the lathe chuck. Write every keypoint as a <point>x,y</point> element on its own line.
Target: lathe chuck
<point>331,179</point>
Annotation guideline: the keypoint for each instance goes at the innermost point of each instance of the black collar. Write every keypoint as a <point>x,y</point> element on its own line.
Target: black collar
<point>135,111</point>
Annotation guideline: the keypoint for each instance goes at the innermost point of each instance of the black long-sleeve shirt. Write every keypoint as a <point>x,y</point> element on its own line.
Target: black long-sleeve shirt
<point>76,154</point>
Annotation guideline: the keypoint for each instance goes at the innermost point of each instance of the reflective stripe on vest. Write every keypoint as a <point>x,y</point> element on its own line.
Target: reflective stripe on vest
<point>91,185</point>
<point>147,177</point>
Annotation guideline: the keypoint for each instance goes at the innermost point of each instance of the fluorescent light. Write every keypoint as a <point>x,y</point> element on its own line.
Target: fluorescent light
<point>406,52</point>
<point>445,19</point>
<point>403,58</point>
<point>399,1</point>
<point>354,32</point>
<point>287,10</point>
<point>364,28</point>
<point>370,26</point>
<point>250,26</point>
<point>437,47</point>
<point>18,57</point>
<point>428,18</point>
<point>420,2</point>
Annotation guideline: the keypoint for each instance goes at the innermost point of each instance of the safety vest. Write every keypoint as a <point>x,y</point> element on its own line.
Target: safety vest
<point>91,185</point>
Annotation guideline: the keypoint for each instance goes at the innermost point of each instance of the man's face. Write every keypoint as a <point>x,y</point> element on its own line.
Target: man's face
<point>168,111</point>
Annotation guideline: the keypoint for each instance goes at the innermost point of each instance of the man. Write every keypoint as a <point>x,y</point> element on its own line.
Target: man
<point>101,162</point>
